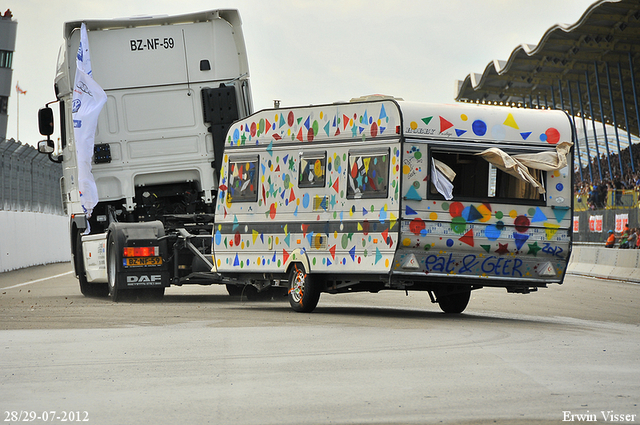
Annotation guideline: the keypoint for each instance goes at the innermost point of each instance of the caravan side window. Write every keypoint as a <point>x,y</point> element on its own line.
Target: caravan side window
<point>368,174</point>
<point>243,179</point>
<point>312,169</point>
<point>475,178</point>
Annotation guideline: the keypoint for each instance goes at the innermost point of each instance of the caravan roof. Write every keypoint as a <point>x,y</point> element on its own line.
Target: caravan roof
<point>381,118</point>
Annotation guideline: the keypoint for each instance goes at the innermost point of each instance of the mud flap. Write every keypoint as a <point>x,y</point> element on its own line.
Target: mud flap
<point>138,276</point>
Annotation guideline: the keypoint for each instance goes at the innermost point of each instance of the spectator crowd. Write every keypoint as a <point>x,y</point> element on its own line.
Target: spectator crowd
<point>594,193</point>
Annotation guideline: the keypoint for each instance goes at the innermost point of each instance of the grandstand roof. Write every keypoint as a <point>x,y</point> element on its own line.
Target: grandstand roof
<point>606,38</point>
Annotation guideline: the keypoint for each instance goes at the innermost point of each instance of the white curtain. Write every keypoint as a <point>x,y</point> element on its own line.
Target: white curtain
<point>441,177</point>
<point>516,165</point>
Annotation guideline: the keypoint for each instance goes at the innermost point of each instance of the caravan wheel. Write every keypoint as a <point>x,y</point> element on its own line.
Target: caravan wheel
<point>454,303</point>
<point>304,291</point>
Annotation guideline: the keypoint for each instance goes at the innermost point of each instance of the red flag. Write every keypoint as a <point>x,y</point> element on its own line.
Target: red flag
<point>19,90</point>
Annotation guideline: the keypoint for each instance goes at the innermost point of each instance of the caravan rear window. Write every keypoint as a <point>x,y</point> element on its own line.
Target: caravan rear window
<point>243,179</point>
<point>368,174</point>
<point>477,179</point>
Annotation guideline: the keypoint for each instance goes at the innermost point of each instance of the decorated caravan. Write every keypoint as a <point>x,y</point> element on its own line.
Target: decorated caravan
<point>380,194</point>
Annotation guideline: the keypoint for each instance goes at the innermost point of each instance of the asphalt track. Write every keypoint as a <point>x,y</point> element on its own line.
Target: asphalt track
<point>201,356</point>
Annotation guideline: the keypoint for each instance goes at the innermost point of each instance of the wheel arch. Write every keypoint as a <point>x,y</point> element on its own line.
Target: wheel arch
<point>298,255</point>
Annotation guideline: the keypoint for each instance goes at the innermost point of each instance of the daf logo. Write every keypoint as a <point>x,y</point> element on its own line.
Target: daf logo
<point>144,280</point>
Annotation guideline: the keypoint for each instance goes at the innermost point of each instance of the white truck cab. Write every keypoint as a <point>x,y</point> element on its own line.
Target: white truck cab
<point>174,85</point>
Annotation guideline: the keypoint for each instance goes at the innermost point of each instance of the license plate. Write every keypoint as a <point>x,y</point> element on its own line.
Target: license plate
<point>143,261</point>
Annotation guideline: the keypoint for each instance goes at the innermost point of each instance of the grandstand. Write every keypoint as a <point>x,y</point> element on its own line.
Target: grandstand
<point>590,69</point>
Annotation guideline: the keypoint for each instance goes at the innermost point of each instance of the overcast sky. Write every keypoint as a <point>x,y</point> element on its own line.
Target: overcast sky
<point>311,51</point>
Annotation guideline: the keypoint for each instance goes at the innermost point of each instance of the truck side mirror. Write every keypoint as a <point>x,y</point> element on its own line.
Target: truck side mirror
<point>45,121</point>
<point>45,146</point>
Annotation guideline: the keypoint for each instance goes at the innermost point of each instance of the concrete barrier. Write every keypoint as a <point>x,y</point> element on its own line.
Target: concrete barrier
<point>607,263</point>
<point>32,238</point>
<point>29,239</point>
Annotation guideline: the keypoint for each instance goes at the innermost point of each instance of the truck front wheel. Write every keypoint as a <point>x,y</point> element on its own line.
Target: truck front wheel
<point>304,291</point>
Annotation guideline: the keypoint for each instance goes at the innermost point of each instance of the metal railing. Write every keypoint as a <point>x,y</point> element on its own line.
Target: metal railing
<point>615,200</point>
<point>28,180</point>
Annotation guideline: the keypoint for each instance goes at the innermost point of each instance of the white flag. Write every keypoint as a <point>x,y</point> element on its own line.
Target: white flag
<point>88,100</point>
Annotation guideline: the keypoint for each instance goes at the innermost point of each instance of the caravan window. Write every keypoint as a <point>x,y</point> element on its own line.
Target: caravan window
<point>312,169</point>
<point>368,174</point>
<point>477,179</point>
<point>243,179</point>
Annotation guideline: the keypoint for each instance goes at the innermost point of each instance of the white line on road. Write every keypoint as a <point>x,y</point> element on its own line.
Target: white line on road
<point>36,281</point>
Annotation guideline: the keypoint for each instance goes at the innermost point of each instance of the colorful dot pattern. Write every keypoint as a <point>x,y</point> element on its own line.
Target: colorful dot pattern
<point>321,223</point>
<point>380,234</point>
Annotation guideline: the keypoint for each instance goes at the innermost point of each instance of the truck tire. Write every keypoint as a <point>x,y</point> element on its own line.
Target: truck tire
<point>86,288</point>
<point>454,303</point>
<point>304,290</point>
<point>114,292</point>
<point>234,290</point>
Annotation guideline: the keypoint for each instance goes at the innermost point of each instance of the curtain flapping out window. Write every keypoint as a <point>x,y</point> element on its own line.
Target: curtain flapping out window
<point>517,165</point>
<point>442,178</point>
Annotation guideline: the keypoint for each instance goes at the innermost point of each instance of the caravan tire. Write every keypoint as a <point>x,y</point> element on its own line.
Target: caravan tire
<point>304,291</point>
<point>454,303</point>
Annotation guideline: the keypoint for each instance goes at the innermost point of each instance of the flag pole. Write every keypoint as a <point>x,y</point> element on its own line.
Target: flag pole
<point>19,91</point>
<point>18,116</point>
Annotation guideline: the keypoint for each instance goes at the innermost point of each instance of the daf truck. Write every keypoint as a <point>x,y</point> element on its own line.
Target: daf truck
<point>173,85</point>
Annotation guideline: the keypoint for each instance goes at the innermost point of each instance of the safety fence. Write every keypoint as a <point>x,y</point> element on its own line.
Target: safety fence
<point>594,225</point>
<point>614,200</point>
<point>29,181</point>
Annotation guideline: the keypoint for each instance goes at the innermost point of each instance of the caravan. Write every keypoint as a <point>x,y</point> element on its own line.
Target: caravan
<point>385,194</point>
